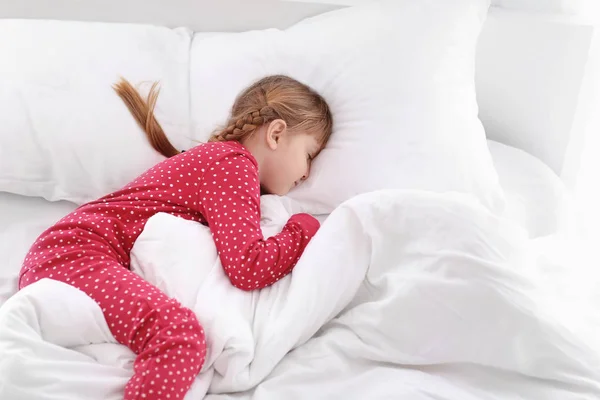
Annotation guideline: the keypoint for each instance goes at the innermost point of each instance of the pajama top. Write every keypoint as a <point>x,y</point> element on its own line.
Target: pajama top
<point>216,184</point>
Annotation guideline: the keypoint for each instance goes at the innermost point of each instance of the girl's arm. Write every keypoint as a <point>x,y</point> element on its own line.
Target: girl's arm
<point>230,203</point>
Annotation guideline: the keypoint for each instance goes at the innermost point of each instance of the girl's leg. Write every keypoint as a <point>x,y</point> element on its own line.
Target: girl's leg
<point>167,338</point>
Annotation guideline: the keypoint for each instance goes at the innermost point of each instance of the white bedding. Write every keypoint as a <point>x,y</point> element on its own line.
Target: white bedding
<point>22,220</point>
<point>536,198</point>
<point>453,305</point>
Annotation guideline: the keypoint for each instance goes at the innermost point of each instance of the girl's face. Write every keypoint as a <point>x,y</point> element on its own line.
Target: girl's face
<point>286,158</point>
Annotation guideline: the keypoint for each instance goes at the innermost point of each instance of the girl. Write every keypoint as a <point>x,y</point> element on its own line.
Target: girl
<point>277,127</point>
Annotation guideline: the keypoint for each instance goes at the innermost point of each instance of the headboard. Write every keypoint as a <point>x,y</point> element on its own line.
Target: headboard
<point>531,68</point>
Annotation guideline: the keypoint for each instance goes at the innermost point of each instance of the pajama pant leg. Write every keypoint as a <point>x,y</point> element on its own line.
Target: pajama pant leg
<point>167,338</point>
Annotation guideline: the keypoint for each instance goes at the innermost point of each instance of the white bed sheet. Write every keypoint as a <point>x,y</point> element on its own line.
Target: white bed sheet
<point>22,220</point>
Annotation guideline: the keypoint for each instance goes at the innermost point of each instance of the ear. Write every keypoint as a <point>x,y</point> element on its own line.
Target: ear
<point>275,131</point>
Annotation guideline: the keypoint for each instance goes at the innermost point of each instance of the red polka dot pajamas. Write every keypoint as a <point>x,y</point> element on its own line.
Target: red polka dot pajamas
<point>216,184</point>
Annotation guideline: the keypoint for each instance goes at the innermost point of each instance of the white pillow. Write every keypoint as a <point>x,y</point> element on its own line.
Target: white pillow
<point>399,77</point>
<point>64,133</point>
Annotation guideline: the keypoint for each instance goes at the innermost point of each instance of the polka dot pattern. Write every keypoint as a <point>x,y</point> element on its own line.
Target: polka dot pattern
<point>167,338</point>
<point>216,184</point>
<point>230,202</point>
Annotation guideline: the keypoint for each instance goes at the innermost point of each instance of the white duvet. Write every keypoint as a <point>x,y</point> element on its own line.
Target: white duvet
<point>401,295</point>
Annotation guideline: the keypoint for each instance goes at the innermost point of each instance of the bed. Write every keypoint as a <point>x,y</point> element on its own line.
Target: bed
<point>508,314</point>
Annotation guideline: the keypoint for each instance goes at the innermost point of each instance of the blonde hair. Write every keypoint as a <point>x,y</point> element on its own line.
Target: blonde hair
<point>273,97</point>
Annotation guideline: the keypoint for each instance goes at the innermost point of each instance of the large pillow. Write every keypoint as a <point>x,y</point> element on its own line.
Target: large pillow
<point>64,133</point>
<point>399,77</point>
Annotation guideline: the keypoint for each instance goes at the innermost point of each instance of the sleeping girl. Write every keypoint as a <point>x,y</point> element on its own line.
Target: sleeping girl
<point>276,128</point>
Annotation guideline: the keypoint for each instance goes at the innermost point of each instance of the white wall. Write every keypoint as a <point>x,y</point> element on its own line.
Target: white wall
<point>586,8</point>
<point>199,15</point>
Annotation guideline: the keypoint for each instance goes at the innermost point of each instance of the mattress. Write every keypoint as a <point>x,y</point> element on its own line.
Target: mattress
<point>536,198</point>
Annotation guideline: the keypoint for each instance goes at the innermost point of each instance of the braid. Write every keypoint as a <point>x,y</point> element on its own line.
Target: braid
<point>245,125</point>
<point>277,97</point>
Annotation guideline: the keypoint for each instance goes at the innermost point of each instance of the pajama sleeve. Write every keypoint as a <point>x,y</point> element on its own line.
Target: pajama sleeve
<point>230,203</point>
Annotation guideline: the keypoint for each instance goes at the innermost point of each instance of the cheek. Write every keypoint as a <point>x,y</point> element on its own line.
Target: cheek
<point>290,171</point>
<point>282,170</point>
<point>299,168</point>
<point>287,169</point>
